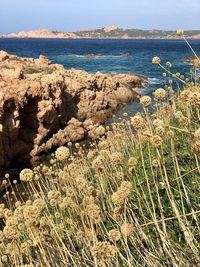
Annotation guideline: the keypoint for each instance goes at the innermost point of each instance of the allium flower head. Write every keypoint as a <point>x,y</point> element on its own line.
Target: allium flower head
<point>94,213</point>
<point>114,235</point>
<point>160,94</point>
<point>170,134</point>
<point>145,101</point>
<point>116,158</point>
<point>180,32</point>
<point>156,141</point>
<point>122,193</point>
<point>155,60</point>
<point>197,134</point>
<point>168,64</point>
<point>26,175</point>
<point>98,163</point>
<point>155,163</point>
<point>160,130</point>
<point>100,130</point>
<point>62,153</point>
<point>137,121</point>
<point>132,162</point>
<point>104,251</point>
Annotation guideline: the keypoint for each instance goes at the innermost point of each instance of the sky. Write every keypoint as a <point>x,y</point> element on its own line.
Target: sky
<point>73,15</point>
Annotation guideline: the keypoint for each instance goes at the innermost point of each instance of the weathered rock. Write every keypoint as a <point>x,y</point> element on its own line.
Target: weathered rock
<point>41,110</point>
<point>3,55</point>
<point>42,61</point>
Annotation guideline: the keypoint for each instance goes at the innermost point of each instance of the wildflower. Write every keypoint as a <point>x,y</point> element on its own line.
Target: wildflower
<point>194,98</point>
<point>127,229</point>
<point>160,130</point>
<point>104,251</point>
<point>62,153</point>
<point>81,182</point>
<point>156,60</point>
<point>137,121</point>
<point>98,163</point>
<point>26,175</point>
<point>155,163</point>
<point>132,161</point>
<point>168,64</point>
<point>94,213</point>
<point>160,94</point>
<point>180,32</point>
<point>114,235</point>
<point>184,121</point>
<point>100,130</point>
<point>170,134</point>
<point>156,140</point>
<point>39,204</point>
<point>145,101</point>
<point>197,134</point>
<point>116,158</point>
<point>121,195</point>
<point>18,204</point>
<point>146,135</point>
<point>185,95</point>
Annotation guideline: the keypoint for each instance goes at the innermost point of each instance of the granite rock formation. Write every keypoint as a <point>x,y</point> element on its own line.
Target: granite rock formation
<point>43,105</point>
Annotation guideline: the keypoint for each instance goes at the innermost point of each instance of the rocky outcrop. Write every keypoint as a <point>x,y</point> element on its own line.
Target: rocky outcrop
<point>41,33</point>
<point>42,105</point>
<point>111,28</point>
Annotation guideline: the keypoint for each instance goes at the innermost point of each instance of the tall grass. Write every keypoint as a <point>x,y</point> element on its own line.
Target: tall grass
<point>132,199</point>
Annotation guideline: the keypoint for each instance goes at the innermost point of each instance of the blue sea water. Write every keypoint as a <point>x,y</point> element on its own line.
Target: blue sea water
<point>110,57</point>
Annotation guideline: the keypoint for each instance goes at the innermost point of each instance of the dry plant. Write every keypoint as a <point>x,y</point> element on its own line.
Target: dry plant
<point>132,199</point>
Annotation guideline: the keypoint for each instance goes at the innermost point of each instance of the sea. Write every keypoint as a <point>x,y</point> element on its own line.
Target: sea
<point>111,56</point>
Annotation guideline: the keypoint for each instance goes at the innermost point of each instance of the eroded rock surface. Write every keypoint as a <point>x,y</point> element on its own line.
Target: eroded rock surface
<point>42,105</point>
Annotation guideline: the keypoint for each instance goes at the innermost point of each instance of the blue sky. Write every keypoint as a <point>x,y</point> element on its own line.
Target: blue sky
<point>72,15</point>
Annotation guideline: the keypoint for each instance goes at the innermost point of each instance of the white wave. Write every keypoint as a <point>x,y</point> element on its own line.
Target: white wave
<point>97,56</point>
<point>188,63</point>
<point>153,81</point>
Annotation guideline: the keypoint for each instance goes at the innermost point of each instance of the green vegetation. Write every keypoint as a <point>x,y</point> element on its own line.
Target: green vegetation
<point>133,33</point>
<point>132,199</point>
<point>6,66</point>
<point>32,70</point>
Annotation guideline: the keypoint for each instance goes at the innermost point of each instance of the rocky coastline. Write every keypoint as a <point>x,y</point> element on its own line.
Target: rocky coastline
<point>43,105</point>
<point>109,32</point>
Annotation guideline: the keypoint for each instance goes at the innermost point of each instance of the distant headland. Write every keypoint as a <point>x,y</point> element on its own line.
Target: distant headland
<point>109,32</point>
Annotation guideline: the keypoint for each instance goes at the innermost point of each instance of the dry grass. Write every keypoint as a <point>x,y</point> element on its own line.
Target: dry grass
<point>132,199</point>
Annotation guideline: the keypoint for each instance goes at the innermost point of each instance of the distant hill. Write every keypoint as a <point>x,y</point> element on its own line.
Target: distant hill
<point>108,32</point>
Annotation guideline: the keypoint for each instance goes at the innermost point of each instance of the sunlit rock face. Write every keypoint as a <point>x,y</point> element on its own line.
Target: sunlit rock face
<point>42,105</point>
